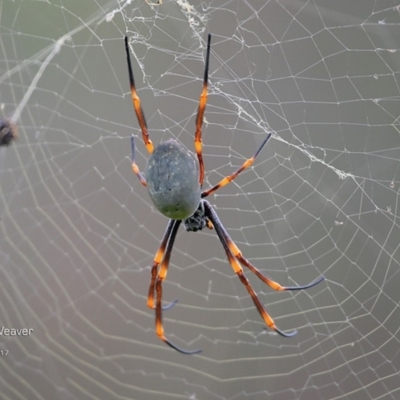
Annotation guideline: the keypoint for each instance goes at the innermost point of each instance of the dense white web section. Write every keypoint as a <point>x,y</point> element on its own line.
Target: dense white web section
<point>79,232</point>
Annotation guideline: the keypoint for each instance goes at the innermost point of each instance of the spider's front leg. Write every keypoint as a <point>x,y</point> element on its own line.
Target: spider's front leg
<point>136,102</point>
<point>200,114</point>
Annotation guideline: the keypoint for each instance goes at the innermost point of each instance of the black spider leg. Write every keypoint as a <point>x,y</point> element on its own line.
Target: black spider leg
<point>154,269</point>
<point>234,253</point>
<point>172,229</point>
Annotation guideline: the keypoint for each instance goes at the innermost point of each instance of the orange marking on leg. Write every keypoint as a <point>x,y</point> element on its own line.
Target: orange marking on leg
<point>272,284</point>
<point>198,145</point>
<point>154,273</point>
<point>150,296</point>
<point>265,316</point>
<point>136,101</point>
<point>202,107</point>
<point>142,121</point>
<point>234,264</point>
<point>200,114</point>
<point>136,170</point>
<point>238,254</point>
<point>223,182</point>
<point>156,262</point>
<point>159,325</point>
<point>231,177</point>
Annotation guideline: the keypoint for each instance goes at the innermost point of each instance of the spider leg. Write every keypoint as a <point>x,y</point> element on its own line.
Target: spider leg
<point>135,168</point>
<point>171,232</point>
<point>230,249</point>
<point>154,269</point>
<point>223,182</point>
<point>200,113</point>
<point>136,102</point>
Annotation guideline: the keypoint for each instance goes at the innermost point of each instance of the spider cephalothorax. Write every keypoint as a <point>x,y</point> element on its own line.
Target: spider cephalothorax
<point>174,179</point>
<point>198,220</point>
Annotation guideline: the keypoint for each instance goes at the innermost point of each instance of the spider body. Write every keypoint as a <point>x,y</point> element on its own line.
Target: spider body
<point>174,179</point>
<point>172,176</point>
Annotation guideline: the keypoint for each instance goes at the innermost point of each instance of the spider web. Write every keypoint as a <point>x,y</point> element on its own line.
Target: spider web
<point>79,233</point>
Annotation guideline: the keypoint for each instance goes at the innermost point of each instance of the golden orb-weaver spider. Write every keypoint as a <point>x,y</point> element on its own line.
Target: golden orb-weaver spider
<point>174,180</point>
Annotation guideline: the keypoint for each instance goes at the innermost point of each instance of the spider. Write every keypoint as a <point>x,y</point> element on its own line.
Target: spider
<point>174,179</point>
<point>8,131</point>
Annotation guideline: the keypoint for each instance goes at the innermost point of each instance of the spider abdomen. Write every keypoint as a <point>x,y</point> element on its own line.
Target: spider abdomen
<point>172,176</point>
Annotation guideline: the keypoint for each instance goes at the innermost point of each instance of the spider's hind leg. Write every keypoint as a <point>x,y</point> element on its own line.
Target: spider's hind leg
<point>234,255</point>
<point>154,269</point>
<point>158,276</point>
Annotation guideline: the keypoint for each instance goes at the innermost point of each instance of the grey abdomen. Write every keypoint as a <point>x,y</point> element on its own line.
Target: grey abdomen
<point>173,180</point>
